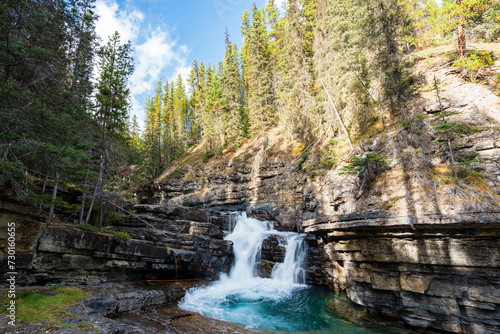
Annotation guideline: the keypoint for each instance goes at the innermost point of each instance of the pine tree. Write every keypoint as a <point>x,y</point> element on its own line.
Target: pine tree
<point>180,115</point>
<point>170,146</point>
<point>45,91</point>
<point>261,100</point>
<point>81,48</point>
<point>389,24</point>
<point>194,101</point>
<point>213,117</point>
<point>341,60</point>
<point>245,33</point>
<point>135,134</point>
<point>112,99</point>
<point>276,25</point>
<point>297,81</point>
<point>231,83</point>
<point>463,13</point>
<point>152,146</point>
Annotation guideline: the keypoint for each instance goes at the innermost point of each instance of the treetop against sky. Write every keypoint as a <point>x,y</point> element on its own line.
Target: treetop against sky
<point>167,35</point>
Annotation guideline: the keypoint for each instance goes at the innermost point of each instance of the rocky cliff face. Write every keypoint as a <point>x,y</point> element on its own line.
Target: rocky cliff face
<point>441,274</point>
<point>413,244</point>
<point>175,244</point>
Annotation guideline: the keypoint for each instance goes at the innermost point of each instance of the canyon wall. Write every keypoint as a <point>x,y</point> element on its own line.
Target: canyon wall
<point>442,273</point>
<point>176,243</point>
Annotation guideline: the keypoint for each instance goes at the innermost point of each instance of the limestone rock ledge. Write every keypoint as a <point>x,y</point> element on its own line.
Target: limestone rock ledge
<point>179,243</point>
<point>439,273</point>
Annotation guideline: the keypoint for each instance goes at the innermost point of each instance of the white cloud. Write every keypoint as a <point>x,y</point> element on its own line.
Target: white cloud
<point>111,19</point>
<point>156,55</point>
<point>184,71</point>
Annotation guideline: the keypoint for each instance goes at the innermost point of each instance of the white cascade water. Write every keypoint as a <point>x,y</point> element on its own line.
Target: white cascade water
<point>280,304</point>
<point>292,268</point>
<point>234,297</point>
<point>247,238</point>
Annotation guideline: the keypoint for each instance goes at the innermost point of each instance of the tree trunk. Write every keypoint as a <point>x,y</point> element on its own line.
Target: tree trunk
<point>87,219</point>
<point>461,34</point>
<point>101,189</point>
<point>43,189</point>
<point>84,197</point>
<point>54,196</point>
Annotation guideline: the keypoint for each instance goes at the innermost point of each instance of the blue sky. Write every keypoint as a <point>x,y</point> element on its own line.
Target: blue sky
<point>168,34</point>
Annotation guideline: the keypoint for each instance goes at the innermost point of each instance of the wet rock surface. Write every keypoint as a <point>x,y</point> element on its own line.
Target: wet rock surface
<point>272,252</point>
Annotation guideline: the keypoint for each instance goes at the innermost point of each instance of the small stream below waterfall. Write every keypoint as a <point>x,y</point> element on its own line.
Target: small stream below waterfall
<point>280,304</point>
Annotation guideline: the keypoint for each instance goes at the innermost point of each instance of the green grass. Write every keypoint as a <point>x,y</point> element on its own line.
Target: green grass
<point>87,227</point>
<point>48,306</point>
<point>117,234</point>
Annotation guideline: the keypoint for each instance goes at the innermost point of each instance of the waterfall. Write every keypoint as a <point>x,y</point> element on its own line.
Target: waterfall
<point>282,303</point>
<point>292,268</point>
<point>247,237</point>
<point>238,296</point>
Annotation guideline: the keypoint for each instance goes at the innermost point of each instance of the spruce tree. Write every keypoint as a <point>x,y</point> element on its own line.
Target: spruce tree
<point>168,123</point>
<point>45,90</point>
<point>152,145</point>
<point>297,81</point>
<point>261,100</point>
<point>460,14</point>
<point>113,101</point>
<point>194,100</point>
<point>231,82</point>
<point>180,116</point>
<point>213,117</point>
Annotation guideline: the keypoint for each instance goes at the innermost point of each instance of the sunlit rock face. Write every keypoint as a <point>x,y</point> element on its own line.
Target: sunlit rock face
<point>441,274</point>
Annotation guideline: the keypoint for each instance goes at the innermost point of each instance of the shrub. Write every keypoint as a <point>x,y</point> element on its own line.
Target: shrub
<point>330,156</point>
<point>302,159</point>
<point>446,132</point>
<point>206,155</point>
<point>117,234</point>
<point>370,164</point>
<point>473,63</point>
<point>237,162</point>
<point>175,174</point>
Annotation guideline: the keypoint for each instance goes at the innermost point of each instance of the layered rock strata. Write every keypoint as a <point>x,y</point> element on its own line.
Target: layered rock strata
<point>442,274</point>
<point>176,243</point>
